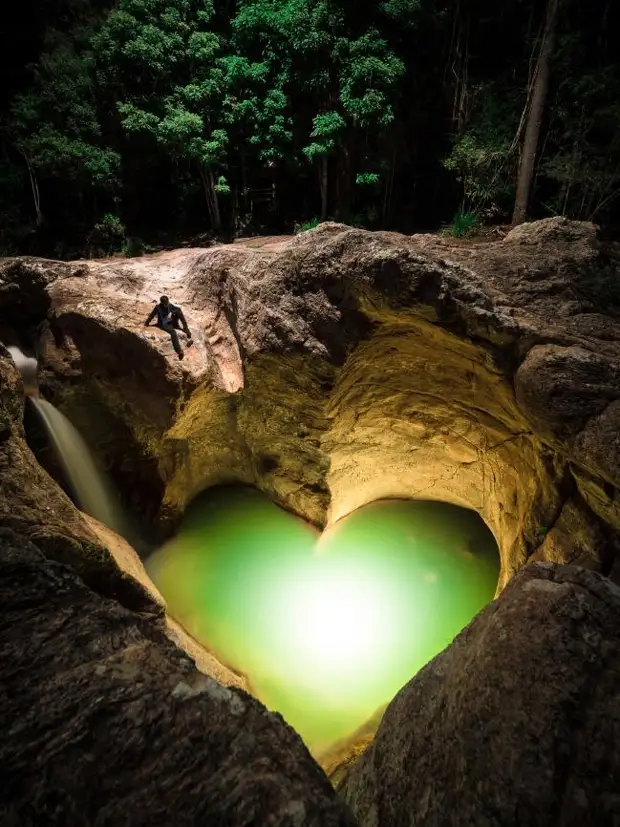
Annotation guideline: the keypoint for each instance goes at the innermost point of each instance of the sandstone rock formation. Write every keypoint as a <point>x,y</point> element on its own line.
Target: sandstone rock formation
<point>515,724</point>
<point>32,504</point>
<point>329,370</point>
<point>344,366</point>
<point>129,563</point>
<point>105,722</point>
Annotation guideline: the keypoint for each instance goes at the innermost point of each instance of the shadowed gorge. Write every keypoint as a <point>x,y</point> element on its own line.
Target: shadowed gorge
<point>384,478</point>
<point>325,626</point>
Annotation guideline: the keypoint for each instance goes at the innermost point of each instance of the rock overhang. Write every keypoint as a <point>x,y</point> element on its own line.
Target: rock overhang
<point>344,366</point>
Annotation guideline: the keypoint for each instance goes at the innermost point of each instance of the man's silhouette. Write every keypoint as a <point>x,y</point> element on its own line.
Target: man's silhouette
<point>169,316</point>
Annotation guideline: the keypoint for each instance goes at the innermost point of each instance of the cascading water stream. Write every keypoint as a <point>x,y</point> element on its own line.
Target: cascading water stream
<point>92,491</point>
<point>89,486</point>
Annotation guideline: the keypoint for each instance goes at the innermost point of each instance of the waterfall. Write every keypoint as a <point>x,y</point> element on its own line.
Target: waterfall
<point>89,486</point>
<point>27,366</point>
<point>91,490</point>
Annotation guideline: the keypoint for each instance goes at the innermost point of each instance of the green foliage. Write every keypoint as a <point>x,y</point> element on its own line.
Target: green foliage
<point>310,47</point>
<point>165,64</point>
<point>167,45</point>
<point>404,11</point>
<point>326,128</point>
<point>464,224</point>
<point>309,225</point>
<point>367,179</point>
<point>107,236</point>
<point>370,73</point>
<point>583,151</point>
<point>484,156</point>
<point>222,187</point>
<point>54,125</point>
<point>180,117</point>
<point>134,246</point>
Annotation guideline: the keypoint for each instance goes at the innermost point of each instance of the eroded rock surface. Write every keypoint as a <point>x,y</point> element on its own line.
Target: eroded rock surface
<point>105,722</point>
<point>331,370</point>
<point>32,504</point>
<point>343,366</point>
<point>516,724</point>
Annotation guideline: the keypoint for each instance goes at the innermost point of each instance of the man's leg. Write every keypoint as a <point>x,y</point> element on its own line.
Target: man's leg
<point>170,330</point>
<point>181,318</point>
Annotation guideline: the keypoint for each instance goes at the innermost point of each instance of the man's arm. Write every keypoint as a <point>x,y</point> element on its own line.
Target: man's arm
<point>151,316</point>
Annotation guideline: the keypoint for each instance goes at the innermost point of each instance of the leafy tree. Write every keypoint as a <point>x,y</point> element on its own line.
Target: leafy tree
<point>165,65</point>
<point>404,113</point>
<point>257,112</point>
<point>484,154</point>
<point>54,128</point>
<point>340,81</point>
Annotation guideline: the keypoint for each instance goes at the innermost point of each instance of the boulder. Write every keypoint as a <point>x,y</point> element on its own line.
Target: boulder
<point>106,722</point>
<point>343,366</point>
<point>516,724</point>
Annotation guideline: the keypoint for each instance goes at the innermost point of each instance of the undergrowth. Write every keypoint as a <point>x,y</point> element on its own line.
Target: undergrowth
<point>309,225</point>
<point>464,224</point>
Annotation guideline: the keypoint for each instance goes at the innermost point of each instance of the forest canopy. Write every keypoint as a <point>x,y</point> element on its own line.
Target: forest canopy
<point>140,123</point>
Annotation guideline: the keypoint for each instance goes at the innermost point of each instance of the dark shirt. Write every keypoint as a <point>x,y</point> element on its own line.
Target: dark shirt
<point>164,314</point>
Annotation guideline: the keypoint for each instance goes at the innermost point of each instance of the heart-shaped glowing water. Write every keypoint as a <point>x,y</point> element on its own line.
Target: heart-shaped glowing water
<point>327,628</point>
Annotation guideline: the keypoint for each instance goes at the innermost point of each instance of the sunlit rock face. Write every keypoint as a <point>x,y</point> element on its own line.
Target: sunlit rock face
<point>326,627</point>
<point>333,371</point>
<point>342,367</point>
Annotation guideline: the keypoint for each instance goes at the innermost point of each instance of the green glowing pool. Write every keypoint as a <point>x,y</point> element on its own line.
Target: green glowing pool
<point>328,628</point>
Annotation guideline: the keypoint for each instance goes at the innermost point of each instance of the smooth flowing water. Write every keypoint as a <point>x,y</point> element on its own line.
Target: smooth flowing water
<point>328,628</point>
<point>27,366</point>
<point>91,490</point>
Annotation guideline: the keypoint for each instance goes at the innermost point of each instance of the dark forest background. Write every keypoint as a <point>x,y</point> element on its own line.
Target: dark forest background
<point>130,125</point>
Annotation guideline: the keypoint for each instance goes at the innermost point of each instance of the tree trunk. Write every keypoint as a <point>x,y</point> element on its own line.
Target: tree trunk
<point>213,207</point>
<point>535,115</point>
<point>344,182</point>
<point>217,216</point>
<point>34,186</point>
<point>323,180</point>
<point>389,189</point>
<point>244,184</point>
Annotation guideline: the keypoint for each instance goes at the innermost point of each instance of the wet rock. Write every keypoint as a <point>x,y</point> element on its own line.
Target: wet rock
<point>32,504</point>
<point>515,724</point>
<point>128,561</point>
<point>106,722</point>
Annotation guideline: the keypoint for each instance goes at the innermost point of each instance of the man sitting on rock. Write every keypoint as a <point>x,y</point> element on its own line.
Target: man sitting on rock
<point>168,318</point>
